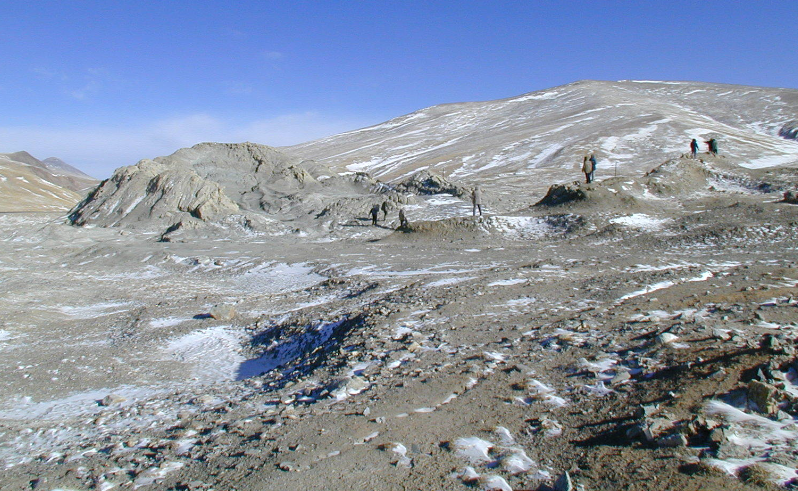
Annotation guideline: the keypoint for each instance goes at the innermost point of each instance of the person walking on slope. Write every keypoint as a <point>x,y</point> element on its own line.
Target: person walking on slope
<point>712,146</point>
<point>587,168</point>
<point>375,213</point>
<point>476,201</point>
<point>402,219</point>
<point>385,210</point>
<point>693,148</point>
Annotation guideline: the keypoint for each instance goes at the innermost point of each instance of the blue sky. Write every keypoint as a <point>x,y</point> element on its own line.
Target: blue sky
<point>103,84</point>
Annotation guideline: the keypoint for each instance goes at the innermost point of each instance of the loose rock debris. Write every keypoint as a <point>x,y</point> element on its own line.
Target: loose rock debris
<point>604,356</point>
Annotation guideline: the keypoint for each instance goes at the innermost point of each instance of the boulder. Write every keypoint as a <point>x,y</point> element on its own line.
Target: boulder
<point>223,312</point>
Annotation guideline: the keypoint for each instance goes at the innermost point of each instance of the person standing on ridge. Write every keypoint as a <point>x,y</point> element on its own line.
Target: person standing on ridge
<point>693,148</point>
<point>712,146</point>
<point>385,210</point>
<point>375,213</point>
<point>402,218</point>
<point>476,201</point>
<point>587,168</point>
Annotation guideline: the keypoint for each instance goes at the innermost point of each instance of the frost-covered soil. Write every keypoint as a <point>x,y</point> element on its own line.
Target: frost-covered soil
<point>626,353</point>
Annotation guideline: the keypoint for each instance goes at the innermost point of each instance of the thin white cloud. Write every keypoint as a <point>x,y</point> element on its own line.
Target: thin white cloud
<point>80,85</point>
<point>99,150</point>
<point>238,88</point>
<point>272,55</point>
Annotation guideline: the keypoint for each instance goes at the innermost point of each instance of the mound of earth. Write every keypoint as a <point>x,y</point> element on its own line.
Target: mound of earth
<point>682,178</point>
<point>426,182</point>
<point>596,194</point>
<point>221,184</point>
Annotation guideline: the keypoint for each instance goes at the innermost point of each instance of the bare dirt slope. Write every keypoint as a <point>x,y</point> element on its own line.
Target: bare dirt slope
<point>30,185</point>
<point>638,333</point>
<point>630,125</point>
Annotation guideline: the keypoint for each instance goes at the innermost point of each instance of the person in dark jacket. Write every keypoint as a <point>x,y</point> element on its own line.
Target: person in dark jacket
<point>693,148</point>
<point>385,210</point>
<point>375,213</point>
<point>476,201</point>
<point>712,146</point>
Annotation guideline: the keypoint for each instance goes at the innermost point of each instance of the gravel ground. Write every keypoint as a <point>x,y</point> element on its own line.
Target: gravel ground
<point>643,346</point>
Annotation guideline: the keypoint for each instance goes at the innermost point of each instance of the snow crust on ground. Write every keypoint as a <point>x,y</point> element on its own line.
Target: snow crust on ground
<point>214,353</point>
<point>641,221</point>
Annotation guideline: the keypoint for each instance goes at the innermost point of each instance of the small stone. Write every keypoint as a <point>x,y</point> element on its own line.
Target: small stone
<point>620,377</point>
<point>764,396</point>
<point>223,312</point>
<point>717,435</point>
<point>670,441</point>
<point>356,385</point>
<point>288,466</point>
<point>112,399</point>
<point>721,334</point>
<point>666,338</point>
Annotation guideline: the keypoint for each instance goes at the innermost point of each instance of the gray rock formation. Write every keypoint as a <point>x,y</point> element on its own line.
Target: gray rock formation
<point>789,130</point>
<point>248,184</point>
<point>428,182</point>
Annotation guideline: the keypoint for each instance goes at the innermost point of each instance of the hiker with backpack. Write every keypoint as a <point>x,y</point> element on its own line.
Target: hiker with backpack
<point>588,168</point>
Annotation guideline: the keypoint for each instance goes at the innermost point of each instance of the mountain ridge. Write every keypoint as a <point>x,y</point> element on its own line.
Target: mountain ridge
<point>30,184</point>
<point>634,124</point>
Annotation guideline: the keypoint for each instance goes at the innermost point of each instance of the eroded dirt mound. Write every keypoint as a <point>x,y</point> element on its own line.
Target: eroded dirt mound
<point>680,178</point>
<point>215,183</point>
<point>596,194</point>
<point>426,182</point>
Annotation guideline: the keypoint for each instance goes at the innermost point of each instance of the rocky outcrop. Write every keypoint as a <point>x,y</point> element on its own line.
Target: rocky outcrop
<point>231,185</point>
<point>152,192</point>
<point>427,182</point>
<point>789,130</point>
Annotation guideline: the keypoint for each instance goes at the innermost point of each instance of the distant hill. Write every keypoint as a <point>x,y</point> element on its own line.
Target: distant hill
<point>57,165</point>
<point>29,184</point>
<point>543,135</point>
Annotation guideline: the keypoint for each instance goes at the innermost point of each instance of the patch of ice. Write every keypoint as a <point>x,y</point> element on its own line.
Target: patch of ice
<point>214,353</point>
<point>473,449</point>
<point>521,302</point>
<point>598,389</point>
<point>641,221</point>
<point>519,227</point>
<point>150,475</point>
<point>279,277</point>
<point>95,310</point>
<point>505,438</point>
<point>517,462</point>
<point>448,281</point>
<point>508,282</point>
<point>495,483</point>
<point>167,322</point>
